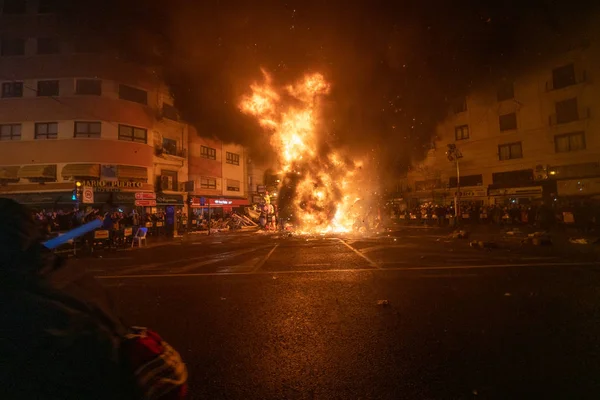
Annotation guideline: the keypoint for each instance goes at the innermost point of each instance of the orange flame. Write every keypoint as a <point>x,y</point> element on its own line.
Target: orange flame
<point>324,198</point>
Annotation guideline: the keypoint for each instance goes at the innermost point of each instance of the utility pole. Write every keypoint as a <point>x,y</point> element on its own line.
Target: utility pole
<point>454,155</point>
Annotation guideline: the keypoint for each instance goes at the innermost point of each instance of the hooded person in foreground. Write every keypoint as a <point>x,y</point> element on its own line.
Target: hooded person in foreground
<point>59,336</point>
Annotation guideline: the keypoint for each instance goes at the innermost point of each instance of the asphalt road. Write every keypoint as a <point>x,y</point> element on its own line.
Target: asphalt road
<point>276,317</point>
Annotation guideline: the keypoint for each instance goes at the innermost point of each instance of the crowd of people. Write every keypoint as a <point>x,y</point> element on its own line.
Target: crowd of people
<point>582,214</point>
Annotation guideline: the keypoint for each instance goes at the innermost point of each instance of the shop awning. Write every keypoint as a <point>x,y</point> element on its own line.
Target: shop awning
<point>133,173</point>
<point>37,172</point>
<point>81,171</point>
<point>9,173</point>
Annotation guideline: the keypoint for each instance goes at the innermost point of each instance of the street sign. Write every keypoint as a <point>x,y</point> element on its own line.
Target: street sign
<point>145,196</point>
<point>145,203</point>
<point>87,195</point>
<point>202,201</point>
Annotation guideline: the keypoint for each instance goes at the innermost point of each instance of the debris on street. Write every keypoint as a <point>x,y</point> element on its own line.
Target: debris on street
<point>384,303</point>
<point>460,234</point>
<point>483,245</point>
<point>538,239</point>
<point>582,240</point>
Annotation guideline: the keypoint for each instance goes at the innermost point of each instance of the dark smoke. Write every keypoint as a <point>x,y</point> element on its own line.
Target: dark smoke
<point>394,65</point>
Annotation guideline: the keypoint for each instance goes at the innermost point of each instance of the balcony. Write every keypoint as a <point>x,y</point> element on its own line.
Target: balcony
<point>582,113</point>
<point>168,152</point>
<point>563,82</point>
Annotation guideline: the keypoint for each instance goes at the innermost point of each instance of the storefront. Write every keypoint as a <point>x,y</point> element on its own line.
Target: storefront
<point>516,195</point>
<point>218,206</point>
<point>476,195</point>
<point>578,187</point>
<point>43,200</point>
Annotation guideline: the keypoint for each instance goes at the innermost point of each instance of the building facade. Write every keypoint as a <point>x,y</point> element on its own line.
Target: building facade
<point>218,172</point>
<point>532,138</point>
<point>72,112</point>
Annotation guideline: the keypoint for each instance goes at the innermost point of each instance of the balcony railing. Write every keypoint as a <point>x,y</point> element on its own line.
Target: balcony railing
<point>582,113</point>
<point>165,151</point>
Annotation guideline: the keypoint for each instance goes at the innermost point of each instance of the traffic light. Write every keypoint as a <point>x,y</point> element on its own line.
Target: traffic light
<point>77,192</point>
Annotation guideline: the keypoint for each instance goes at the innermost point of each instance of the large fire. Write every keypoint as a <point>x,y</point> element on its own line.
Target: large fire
<point>320,186</point>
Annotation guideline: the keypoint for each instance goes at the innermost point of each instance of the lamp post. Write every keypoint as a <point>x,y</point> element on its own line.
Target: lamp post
<point>454,155</point>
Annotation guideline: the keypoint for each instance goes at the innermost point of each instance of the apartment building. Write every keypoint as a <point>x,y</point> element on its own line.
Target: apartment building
<point>218,172</point>
<point>531,138</point>
<point>71,111</point>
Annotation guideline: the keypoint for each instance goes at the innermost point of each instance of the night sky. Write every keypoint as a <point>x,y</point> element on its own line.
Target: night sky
<point>393,65</point>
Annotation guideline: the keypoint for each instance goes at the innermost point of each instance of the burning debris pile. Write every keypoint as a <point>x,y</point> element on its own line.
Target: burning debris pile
<point>321,187</point>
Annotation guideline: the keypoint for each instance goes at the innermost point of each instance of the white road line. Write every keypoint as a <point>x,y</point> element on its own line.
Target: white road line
<point>315,271</point>
<point>311,265</point>
<point>371,262</point>
<point>264,260</point>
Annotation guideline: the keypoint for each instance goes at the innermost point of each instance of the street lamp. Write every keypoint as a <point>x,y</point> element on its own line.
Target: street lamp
<point>454,155</point>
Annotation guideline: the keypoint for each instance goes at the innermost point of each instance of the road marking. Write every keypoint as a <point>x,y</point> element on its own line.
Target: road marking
<point>311,265</point>
<point>264,260</point>
<point>386,246</point>
<point>371,262</point>
<point>314,271</point>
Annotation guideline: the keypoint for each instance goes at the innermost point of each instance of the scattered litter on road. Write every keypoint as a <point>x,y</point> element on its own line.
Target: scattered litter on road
<point>507,294</point>
<point>578,241</point>
<point>460,234</point>
<point>223,298</point>
<point>274,277</point>
<point>483,245</point>
<point>395,239</point>
<point>582,240</point>
<point>539,238</point>
<point>384,303</point>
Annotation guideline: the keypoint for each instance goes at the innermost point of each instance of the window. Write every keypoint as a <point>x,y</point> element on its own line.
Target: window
<point>12,89</point>
<point>46,130</point>
<point>461,132</point>
<point>88,129</point>
<point>47,46</point>
<point>13,47</point>
<point>208,152</point>
<point>169,180</point>
<point>208,183</point>
<point>170,112</point>
<point>233,186</point>
<point>508,122</point>
<point>467,180</point>
<point>567,111</point>
<point>429,184</point>
<point>459,105</point>
<point>10,132</point>
<point>87,45</point>
<point>563,76</point>
<point>133,94</point>
<point>233,158</point>
<point>48,6</point>
<point>14,7</point>
<point>169,146</point>
<point>506,91</point>
<point>522,176</point>
<point>573,141</point>
<point>582,170</point>
<point>88,86</point>
<point>47,88</point>
<point>510,151</point>
<point>133,134</point>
